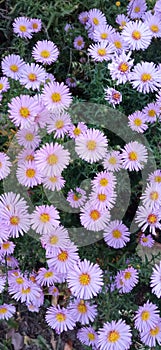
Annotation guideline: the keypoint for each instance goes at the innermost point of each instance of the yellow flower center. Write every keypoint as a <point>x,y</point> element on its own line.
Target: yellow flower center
<point>113,336</point>
<point>91,145</point>
<point>151,113</point>
<point>79,42</point>
<point>14,67</point>
<point>77,131</point>
<point>30,173</point>
<point>29,157</point>
<point>48,274</point>
<point>95,215</point>
<point>14,220</point>
<point>136,35</point>
<point>26,290</point>
<point>34,25</point>
<point>157,178</point>
<point>60,317</point>
<point>19,280</point>
<point>24,112</point>
<point>144,239</point>
<point>45,53</point>
<point>95,21</point>
<point>154,331</point>
<point>0,164</point>
<point>102,197</point>
<point>63,256</point>
<point>6,245</point>
<point>112,160</point>
<point>104,35</point>
<point>56,97</point>
<point>152,218</point>
<point>29,137</point>
<point>52,159</point>
<point>32,77</point>
<point>127,275</point>
<point>104,182</point>
<point>3,310</point>
<point>53,179</point>
<point>154,28</point>
<point>54,239</point>
<point>75,197</point>
<point>154,195</point>
<point>59,124</point>
<point>137,9</point>
<point>116,234</point>
<point>84,279</point>
<point>44,217</point>
<point>22,28</point>
<point>1,86</point>
<point>133,156</point>
<point>91,336</point>
<point>118,44</point>
<point>116,96</point>
<point>145,315</point>
<point>146,77</point>
<point>101,52</point>
<point>137,121</point>
<point>123,67</point>
<point>82,308</point>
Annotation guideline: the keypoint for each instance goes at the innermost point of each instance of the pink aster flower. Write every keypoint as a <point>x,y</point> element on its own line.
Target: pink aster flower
<point>136,9</point>
<point>5,165</point>
<point>146,317</point>
<point>12,66</point>
<point>55,240</point>
<point>121,19</point>
<point>154,24</point>
<point>104,181</point>
<point>146,240</point>
<point>22,110</point>
<point>82,311</point>
<point>134,156</point>
<point>78,43</point>
<point>137,35</point>
<point>137,122</point>
<point>155,280</point>
<point>60,319</point>
<point>103,33</point>
<point>64,259</point>
<point>76,131</point>
<point>45,52</point>
<point>56,96</point>
<point>4,84</point>
<point>59,124</point>
<point>152,337</point>
<point>6,311</point>
<point>32,76</point>
<point>145,77</point>
<point>36,24</point>
<point>112,161</point>
<point>102,51</point>
<point>113,96</point>
<point>152,196</point>
<point>28,175</point>
<point>151,111</point>
<point>85,279</point>
<point>116,234</point>
<point>147,217</point>
<point>88,336</point>
<point>47,277</point>
<point>91,145</point>
<point>53,183</point>
<point>22,27</point>
<point>51,159</point>
<point>96,18</point>
<point>120,67</point>
<point>93,218</point>
<point>44,218</point>
<point>76,198</point>
<point>114,336</point>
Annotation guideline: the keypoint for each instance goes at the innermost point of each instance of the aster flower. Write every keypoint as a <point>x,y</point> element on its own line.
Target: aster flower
<point>113,96</point>
<point>60,319</point>
<point>146,317</point>
<point>91,145</point>
<point>53,290</point>
<point>4,232</point>
<point>22,27</point>
<point>137,35</point>
<point>44,218</point>
<point>56,96</point>
<point>118,42</point>
<point>59,124</point>
<point>12,66</point>
<point>27,293</point>
<point>102,51</point>
<point>112,161</point>
<point>134,156</point>
<point>145,77</point>
<point>4,84</point>
<point>5,165</point>
<point>96,18</point>
<point>36,24</point>
<point>22,110</point>
<point>120,67</point>
<point>85,279</point>
<point>64,258</point>
<point>17,221</point>
<point>45,52</point>
<point>76,198</point>
<point>152,337</point>
<point>101,200</point>
<point>126,280</point>
<point>51,159</point>
<point>43,114</point>
<point>28,175</point>
<point>32,76</point>
<point>136,9</point>
<point>137,122</point>
<point>155,177</point>
<point>68,27</point>
<point>32,308</point>
<point>155,280</point>
<point>78,43</point>
<point>12,200</point>
<point>53,182</point>
<point>157,8</point>
<point>114,336</point>
<point>121,19</point>
<point>82,311</point>
<point>104,181</point>
<point>146,240</point>
<point>76,131</point>
<point>102,33</point>
<point>6,311</point>
<point>87,336</point>
<point>26,155</point>
<point>28,138</point>
<point>7,247</point>
<point>71,82</point>
<point>83,17</point>
<point>152,196</point>
<point>92,218</point>
<point>154,24</point>
<point>47,277</point>
<point>151,111</point>
<point>116,234</point>
<point>146,216</point>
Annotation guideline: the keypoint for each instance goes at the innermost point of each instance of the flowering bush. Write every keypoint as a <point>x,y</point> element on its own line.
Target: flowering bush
<point>80,204</point>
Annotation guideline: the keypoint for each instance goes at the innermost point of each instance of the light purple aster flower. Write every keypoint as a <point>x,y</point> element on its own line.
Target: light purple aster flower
<point>120,67</point>
<point>103,33</point>
<point>60,319</point>
<point>137,122</point>
<point>22,27</point>
<point>112,161</point>
<point>155,280</point>
<point>116,234</point>
<point>101,51</point>
<point>87,336</point>
<point>45,52</point>
<point>146,77</point>
<point>5,165</point>
<point>121,19</point>
<point>152,196</point>
<point>22,110</point>
<point>83,17</point>
<point>151,111</point>
<point>126,280</point>
<point>36,24</point>
<point>152,337</point>
<point>154,24</point>
<point>114,335</point>
<point>44,218</point>
<point>134,156</point>
<point>32,76</point>
<point>6,311</point>
<point>56,96</point>
<point>96,18</point>
<point>137,35</point>
<point>12,66</point>
<point>118,43</point>
<point>155,177</point>
<point>146,240</point>
<point>64,259</point>
<point>147,217</point>
<point>79,43</point>
<point>83,311</point>
<point>157,8</point>
<point>4,84</point>
<point>76,198</point>
<point>136,8</point>
<point>59,124</point>
<point>113,96</point>
<point>146,317</point>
